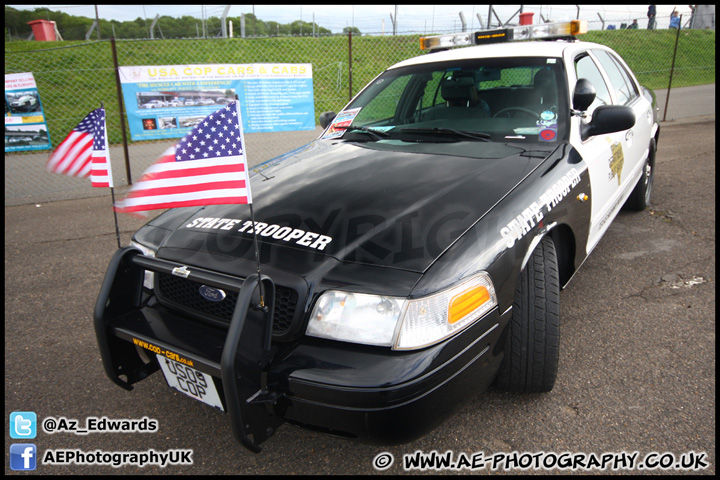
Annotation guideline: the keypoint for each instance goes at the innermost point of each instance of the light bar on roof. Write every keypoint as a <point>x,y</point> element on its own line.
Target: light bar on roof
<point>446,41</point>
<point>510,34</point>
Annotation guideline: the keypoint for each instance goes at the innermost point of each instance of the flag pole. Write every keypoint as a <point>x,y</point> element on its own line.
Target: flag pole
<point>257,258</point>
<point>252,215</point>
<point>112,190</point>
<point>117,230</point>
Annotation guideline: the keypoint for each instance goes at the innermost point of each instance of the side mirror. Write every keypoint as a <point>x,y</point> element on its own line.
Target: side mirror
<point>608,119</point>
<point>583,95</point>
<point>326,118</point>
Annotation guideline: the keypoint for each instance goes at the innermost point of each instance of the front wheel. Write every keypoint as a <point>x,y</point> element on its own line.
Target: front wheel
<point>532,339</point>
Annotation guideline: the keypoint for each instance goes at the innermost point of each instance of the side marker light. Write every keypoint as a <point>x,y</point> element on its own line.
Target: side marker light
<point>465,303</point>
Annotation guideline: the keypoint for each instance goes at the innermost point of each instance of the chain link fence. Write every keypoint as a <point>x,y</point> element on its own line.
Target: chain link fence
<point>77,76</point>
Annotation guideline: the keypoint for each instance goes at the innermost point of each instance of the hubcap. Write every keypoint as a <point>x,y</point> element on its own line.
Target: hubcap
<point>648,181</point>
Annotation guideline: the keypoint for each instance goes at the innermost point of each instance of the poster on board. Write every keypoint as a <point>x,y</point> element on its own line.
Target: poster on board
<point>168,101</point>
<point>25,125</point>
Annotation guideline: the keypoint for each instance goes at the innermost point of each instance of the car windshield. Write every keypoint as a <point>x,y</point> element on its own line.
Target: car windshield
<point>497,99</point>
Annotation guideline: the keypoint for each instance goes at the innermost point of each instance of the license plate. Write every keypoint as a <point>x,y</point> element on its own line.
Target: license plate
<point>189,381</point>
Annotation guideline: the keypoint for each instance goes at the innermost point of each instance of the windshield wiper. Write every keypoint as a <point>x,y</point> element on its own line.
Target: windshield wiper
<point>449,131</point>
<point>354,128</point>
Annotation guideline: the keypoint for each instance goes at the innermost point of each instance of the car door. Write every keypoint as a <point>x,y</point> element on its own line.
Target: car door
<point>603,154</point>
<point>627,92</point>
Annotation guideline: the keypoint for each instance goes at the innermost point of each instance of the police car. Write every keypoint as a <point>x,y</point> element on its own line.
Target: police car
<point>26,103</point>
<point>411,255</point>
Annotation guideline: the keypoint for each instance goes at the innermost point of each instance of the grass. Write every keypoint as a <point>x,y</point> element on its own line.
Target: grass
<point>72,81</point>
<point>649,54</point>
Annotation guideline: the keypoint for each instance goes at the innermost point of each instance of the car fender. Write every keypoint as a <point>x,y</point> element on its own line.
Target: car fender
<point>555,199</point>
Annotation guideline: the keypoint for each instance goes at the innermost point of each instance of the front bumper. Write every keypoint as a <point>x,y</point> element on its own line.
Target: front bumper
<point>369,393</point>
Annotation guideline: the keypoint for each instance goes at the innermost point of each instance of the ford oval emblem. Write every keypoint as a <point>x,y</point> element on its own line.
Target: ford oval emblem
<point>212,294</point>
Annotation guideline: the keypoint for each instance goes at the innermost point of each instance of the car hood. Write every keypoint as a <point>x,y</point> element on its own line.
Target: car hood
<point>376,204</point>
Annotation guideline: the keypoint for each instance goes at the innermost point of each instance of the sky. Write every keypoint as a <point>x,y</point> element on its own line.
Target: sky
<point>377,18</point>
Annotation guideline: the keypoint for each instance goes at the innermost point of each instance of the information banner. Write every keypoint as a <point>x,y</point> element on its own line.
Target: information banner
<point>168,101</point>
<point>25,126</point>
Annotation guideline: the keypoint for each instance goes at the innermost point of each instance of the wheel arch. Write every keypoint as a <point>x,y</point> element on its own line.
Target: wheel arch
<point>565,246</point>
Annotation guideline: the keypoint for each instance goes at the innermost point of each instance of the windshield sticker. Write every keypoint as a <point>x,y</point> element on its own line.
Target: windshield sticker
<point>343,119</point>
<point>547,117</point>
<point>549,134</point>
<point>548,126</point>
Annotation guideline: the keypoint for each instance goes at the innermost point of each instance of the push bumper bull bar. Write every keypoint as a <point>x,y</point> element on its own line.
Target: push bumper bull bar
<point>246,349</point>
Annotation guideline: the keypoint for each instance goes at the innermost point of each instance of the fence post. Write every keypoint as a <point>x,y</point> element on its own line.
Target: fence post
<point>672,69</point>
<point>349,65</point>
<point>122,111</point>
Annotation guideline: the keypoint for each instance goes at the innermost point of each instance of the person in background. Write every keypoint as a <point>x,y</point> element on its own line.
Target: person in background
<point>674,20</point>
<point>634,25</point>
<point>651,17</point>
<point>692,15</point>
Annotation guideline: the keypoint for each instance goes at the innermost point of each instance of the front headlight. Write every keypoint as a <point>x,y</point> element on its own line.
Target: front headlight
<point>148,252</point>
<point>398,322</point>
<point>356,317</point>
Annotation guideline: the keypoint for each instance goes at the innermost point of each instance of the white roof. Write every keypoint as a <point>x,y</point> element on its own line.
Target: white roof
<point>502,50</point>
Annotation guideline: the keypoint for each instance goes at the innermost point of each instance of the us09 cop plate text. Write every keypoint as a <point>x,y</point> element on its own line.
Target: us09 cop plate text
<point>189,381</point>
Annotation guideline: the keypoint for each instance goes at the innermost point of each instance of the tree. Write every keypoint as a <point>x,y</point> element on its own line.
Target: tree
<point>74,27</point>
<point>354,30</point>
<point>274,29</point>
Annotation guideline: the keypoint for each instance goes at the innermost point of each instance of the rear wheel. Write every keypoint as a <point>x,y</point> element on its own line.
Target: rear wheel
<point>639,199</point>
<point>533,336</point>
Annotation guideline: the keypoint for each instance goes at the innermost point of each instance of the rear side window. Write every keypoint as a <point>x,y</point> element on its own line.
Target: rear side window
<point>621,82</point>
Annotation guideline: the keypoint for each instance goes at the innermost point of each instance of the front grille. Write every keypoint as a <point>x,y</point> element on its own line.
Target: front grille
<point>177,292</point>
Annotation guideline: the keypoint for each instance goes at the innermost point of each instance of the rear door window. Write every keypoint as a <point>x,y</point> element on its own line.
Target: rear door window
<point>621,82</point>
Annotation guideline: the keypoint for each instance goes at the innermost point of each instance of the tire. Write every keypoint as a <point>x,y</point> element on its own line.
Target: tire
<point>639,199</point>
<point>532,339</point>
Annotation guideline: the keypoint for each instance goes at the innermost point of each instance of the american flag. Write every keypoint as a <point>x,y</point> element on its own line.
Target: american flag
<point>207,167</point>
<point>84,152</point>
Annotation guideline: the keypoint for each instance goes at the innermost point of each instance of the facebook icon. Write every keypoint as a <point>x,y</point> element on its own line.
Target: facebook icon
<point>23,456</point>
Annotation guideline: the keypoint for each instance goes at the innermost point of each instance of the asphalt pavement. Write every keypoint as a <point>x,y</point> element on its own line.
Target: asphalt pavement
<point>637,358</point>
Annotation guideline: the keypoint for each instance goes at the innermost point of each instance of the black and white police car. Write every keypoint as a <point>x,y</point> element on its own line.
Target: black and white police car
<point>411,255</point>
<point>27,103</point>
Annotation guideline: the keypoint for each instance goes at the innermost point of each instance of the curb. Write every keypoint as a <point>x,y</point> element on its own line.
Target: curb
<point>689,120</point>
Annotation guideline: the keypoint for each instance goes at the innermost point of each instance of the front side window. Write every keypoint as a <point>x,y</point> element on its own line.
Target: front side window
<point>523,99</point>
<point>585,68</point>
